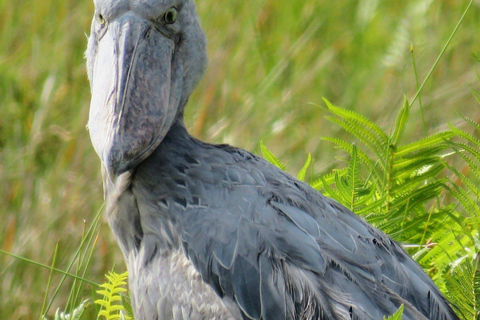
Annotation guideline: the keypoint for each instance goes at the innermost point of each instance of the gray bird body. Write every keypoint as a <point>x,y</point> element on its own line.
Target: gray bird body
<point>212,231</point>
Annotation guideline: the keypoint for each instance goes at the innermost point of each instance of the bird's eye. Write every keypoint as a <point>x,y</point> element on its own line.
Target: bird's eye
<point>170,16</point>
<point>100,19</point>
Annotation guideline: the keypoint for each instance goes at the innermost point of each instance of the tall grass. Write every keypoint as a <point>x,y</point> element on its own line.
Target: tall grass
<point>271,62</point>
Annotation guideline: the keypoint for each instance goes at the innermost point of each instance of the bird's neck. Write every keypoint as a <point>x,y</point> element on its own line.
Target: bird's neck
<point>121,204</point>
<point>177,131</point>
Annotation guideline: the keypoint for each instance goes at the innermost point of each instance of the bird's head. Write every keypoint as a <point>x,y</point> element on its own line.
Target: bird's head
<point>144,59</point>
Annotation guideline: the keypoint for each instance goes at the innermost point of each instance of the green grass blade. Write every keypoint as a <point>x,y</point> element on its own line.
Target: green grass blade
<point>418,87</point>
<point>90,230</point>
<point>303,171</point>
<point>401,121</point>
<point>49,281</point>
<point>89,258</point>
<point>65,273</point>
<point>443,51</point>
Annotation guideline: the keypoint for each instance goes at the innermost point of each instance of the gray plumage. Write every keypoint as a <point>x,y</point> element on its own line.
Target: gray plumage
<point>212,231</point>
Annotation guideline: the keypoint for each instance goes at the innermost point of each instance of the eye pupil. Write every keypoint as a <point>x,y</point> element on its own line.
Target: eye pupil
<point>100,19</point>
<point>170,16</point>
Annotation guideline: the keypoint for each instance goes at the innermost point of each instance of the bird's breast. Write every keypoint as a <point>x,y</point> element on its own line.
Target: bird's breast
<point>171,287</point>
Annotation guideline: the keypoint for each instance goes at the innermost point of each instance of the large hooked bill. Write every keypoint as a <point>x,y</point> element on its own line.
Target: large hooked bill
<point>136,89</point>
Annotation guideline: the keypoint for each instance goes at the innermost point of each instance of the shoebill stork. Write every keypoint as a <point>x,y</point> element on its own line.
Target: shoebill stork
<point>212,231</point>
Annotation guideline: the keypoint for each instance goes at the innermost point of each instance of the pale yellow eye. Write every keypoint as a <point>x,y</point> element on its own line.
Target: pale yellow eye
<point>100,19</point>
<point>170,16</point>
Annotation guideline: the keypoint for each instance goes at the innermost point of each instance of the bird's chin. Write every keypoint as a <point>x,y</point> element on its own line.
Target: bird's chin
<point>136,90</point>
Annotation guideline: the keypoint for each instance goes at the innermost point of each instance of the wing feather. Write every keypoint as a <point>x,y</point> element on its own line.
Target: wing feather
<point>281,250</point>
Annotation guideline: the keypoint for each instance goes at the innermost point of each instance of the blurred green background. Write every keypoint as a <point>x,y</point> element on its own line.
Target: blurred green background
<point>271,62</point>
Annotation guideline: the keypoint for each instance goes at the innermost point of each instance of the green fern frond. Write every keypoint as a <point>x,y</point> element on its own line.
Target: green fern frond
<point>128,307</point>
<point>470,205</point>
<point>347,147</point>
<point>428,151</point>
<point>397,315</point>
<point>368,207</point>
<point>472,122</point>
<point>75,315</point>
<point>462,278</point>
<point>366,131</point>
<point>476,287</point>
<point>381,136</point>
<point>407,181</point>
<point>475,93</point>
<point>327,179</point>
<point>445,247</point>
<point>327,189</point>
<point>400,166</point>
<point>350,189</point>
<point>419,194</point>
<point>359,132</point>
<point>474,169</point>
<point>352,177</point>
<point>111,303</point>
<point>270,157</point>
<point>465,148</point>
<point>428,142</point>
